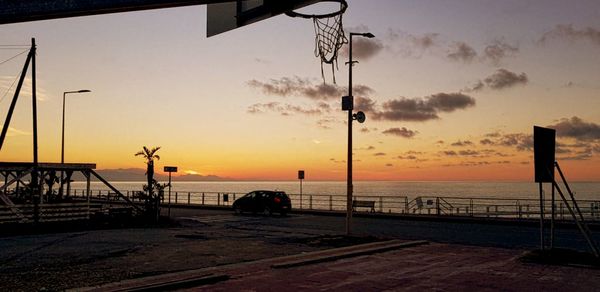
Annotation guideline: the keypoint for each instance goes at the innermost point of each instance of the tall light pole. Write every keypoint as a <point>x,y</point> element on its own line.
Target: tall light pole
<point>348,104</point>
<point>62,147</point>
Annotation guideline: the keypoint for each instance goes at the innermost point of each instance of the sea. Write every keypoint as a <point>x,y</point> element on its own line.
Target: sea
<point>410,189</point>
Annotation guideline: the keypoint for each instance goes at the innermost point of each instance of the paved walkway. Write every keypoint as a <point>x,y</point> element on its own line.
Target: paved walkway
<point>447,267</point>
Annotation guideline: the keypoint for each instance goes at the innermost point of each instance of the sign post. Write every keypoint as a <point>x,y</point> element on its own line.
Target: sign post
<point>544,144</point>
<point>170,169</point>
<point>300,177</point>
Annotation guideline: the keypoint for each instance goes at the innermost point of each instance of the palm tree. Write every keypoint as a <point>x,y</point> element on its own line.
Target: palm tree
<point>149,155</point>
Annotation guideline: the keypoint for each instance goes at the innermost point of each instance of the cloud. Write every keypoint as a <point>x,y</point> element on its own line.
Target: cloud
<point>460,143</point>
<point>409,157</point>
<point>462,52</point>
<point>498,50</point>
<point>285,109</point>
<point>325,123</point>
<point>486,141</point>
<point>364,104</point>
<point>522,142</point>
<point>477,163</point>
<point>363,48</point>
<point>389,165</point>
<point>584,154</point>
<point>577,128</point>
<point>26,89</point>
<point>261,61</point>
<point>561,150</point>
<point>423,109</point>
<point>321,91</point>
<point>475,87</point>
<point>468,152</point>
<point>12,132</point>
<point>361,90</point>
<point>368,148</point>
<point>568,32</point>
<point>296,86</point>
<point>425,41</point>
<point>400,132</point>
<point>410,45</point>
<point>503,78</point>
<point>379,154</point>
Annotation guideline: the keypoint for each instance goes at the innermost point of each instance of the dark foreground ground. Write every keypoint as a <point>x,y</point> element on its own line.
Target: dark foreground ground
<point>459,256</point>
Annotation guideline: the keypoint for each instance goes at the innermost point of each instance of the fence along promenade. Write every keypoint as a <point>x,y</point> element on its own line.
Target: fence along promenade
<point>520,208</point>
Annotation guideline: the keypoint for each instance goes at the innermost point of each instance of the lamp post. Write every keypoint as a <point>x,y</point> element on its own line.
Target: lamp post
<point>62,147</point>
<point>348,104</point>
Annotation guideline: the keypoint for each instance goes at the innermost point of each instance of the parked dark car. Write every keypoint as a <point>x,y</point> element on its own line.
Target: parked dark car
<point>266,202</point>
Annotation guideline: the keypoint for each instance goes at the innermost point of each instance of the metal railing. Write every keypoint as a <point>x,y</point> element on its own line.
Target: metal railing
<point>420,205</point>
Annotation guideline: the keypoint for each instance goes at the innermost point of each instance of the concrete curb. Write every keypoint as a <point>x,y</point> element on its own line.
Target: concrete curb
<point>344,252</point>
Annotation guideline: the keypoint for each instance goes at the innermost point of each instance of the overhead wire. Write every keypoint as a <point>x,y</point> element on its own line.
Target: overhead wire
<point>9,88</point>
<point>21,53</point>
<point>18,75</point>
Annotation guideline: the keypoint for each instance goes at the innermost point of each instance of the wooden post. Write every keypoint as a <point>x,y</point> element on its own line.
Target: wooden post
<point>188,198</point>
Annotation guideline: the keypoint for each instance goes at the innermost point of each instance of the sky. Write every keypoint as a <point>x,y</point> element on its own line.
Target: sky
<point>451,91</point>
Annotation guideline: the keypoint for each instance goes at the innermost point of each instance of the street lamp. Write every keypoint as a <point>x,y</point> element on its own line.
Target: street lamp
<point>62,148</point>
<point>348,104</point>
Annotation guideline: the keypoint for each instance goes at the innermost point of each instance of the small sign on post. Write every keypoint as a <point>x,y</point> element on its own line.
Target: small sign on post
<point>300,177</point>
<point>170,169</point>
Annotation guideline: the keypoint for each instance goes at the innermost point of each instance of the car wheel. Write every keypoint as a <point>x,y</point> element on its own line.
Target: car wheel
<point>267,211</point>
<point>237,210</point>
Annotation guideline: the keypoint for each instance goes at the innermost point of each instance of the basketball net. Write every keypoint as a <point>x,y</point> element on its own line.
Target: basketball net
<point>329,36</point>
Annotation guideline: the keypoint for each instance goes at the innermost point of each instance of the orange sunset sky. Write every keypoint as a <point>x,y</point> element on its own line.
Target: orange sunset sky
<point>451,90</point>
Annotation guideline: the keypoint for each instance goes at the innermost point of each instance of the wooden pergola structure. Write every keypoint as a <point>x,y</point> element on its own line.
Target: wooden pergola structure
<point>33,184</point>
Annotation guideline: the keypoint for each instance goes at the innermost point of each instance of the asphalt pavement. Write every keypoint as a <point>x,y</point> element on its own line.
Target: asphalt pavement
<point>238,253</point>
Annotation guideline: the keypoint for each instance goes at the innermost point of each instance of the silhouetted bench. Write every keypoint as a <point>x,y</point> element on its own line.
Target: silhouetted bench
<point>363,204</point>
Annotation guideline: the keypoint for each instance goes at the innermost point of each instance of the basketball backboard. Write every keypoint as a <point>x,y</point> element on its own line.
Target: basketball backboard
<point>222,17</point>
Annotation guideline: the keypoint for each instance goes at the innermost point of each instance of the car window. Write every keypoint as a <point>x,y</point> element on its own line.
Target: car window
<point>249,195</point>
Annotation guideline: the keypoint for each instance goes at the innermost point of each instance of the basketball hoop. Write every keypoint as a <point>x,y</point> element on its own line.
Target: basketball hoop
<point>330,36</point>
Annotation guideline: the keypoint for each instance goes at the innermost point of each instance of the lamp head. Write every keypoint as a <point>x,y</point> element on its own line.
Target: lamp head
<point>84,90</point>
<point>368,35</point>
